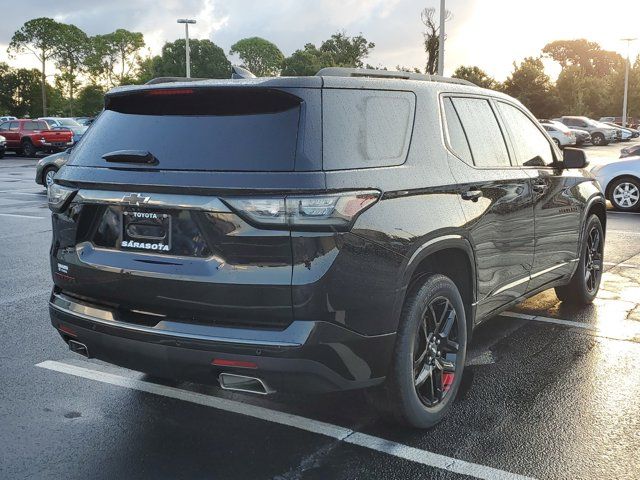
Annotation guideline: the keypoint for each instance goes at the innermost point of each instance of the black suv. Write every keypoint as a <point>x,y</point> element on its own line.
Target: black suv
<point>341,231</point>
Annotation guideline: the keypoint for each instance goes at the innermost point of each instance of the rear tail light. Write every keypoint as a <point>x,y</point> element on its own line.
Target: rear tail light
<point>305,212</point>
<point>58,197</point>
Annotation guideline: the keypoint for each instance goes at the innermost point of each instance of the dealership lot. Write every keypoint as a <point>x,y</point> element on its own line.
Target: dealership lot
<point>549,391</point>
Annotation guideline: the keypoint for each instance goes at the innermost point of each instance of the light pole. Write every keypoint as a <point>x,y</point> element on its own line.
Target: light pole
<point>626,83</point>
<point>186,22</point>
<point>441,41</point>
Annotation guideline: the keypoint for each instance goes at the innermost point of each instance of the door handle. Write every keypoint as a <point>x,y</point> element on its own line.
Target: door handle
<point>472,195</point>
<point>540,187</point>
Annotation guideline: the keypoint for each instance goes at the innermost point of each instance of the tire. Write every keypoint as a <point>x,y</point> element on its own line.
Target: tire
<point>423,353</point>
<point>624,194</point>
<point>598,139</point>
<point>1,153</point>
<point>28,150</point>
<point>585,282</point>
<point>47,176</point>
<point>557,142</point>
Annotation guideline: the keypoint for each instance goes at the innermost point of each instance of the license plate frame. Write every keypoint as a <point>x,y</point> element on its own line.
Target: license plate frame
<point>140,231</point>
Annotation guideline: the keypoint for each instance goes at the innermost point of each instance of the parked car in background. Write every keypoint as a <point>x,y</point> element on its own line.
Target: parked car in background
<point>3,145</point>
<point>633,133</point>
<point>47,167</point>
<point>582,136</point>
<point>632,122</point>
<point>630,151</point>
<point>7,118</point>
<point>26,137</point>
<point>620,182</point>
<point>278,265</point>
<point>560,134</point>
<point>68,123</point>
<point>84,121</point>
<point>600,134</point>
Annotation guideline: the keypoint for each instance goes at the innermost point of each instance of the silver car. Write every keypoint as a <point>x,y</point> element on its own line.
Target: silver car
<point>600,134</point>
<point>620,182</point>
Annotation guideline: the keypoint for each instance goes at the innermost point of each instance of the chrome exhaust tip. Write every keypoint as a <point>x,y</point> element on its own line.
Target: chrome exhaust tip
<point>78,347</point>
<point>242,383</point>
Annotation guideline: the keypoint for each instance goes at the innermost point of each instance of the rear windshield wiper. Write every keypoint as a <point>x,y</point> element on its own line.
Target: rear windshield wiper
<point>131,156</point>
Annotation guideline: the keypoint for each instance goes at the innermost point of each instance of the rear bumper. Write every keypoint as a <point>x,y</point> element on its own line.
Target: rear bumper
<point>307,356</point>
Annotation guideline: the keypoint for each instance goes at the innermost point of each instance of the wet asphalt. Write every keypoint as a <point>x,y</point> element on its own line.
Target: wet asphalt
<point>540,398</point>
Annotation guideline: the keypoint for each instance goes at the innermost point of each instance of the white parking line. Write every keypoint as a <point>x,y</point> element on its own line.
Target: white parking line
<point>625,265</point>
<point>343,434</point>
<point>20,216</point>
<point>626,232</point>
<point>622,213</point>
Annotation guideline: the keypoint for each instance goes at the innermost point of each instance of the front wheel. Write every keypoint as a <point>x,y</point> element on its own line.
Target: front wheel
<point>557,142</point>
<point>28,150</point>
<point>625,194</point>
<point>585,283</point>
<point>598,139</point>
<point>429,356</point>
<point>49,175</point>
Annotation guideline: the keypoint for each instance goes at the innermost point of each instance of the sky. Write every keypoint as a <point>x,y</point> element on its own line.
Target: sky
<point>491,34</point>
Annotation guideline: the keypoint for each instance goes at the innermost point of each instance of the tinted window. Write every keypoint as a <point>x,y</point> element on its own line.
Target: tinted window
<point>483,132</point>
<point>14,125</point>
<point>366,128</point>
<point>32,125</point>
<point>4,126</point>
<point>207,129</point>
<point>457,137</point>
<point>529,143</point>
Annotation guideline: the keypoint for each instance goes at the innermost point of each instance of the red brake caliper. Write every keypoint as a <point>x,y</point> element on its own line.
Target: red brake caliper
<point>447,381</point>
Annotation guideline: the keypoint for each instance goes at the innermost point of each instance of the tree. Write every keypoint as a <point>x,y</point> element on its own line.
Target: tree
<point>532,86</point>
<point>260,56</point>
<point>40,37</point>
<point>431,36</point>
<point>307,61</point>
<point>588,56</point>
<point>114,57</point>
<point>90,100</point>
<point>72,47</point>
<point>475,75</point>
<point>347,51</point>
<point>207,60</point>
<point>20,91</point>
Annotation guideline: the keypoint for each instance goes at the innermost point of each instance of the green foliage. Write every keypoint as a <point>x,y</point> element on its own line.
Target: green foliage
<point>307,61</point>
<point>260,56</point>
<point>72,47</point>
<point>207,61</point>
<point>113,58</point>
<point>338,51</point>
<point>90,101</point>
<point>532,86</point>
<point>39,36</point>
<point>347,51</point>
<point>476,76</point>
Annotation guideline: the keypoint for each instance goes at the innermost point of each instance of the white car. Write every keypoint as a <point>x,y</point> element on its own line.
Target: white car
<point>560,134</point>
<point>620,182</point>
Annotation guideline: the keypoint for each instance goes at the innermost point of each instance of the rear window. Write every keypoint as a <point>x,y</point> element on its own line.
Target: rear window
<point>32,125</point>
<point>219,129</point>
<point>366,128</point>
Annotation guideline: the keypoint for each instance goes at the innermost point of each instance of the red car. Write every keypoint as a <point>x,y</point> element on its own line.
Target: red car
<point>27,137</point>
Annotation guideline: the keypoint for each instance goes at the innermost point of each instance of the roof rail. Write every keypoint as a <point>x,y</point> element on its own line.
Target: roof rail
<point>371,73</point>
<point>153,81</point>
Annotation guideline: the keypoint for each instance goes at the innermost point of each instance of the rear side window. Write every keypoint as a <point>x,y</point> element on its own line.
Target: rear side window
<point>529,144</point>
<point>35,125</point>
<point>366,128</point>
<point>14,125</point>
<point>483,132</point>
<point>457,137</point>
<point>210,129</point>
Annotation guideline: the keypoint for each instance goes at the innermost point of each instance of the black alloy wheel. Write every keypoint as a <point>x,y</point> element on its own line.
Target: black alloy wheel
<point>435,352</point>
<point>593,260</point>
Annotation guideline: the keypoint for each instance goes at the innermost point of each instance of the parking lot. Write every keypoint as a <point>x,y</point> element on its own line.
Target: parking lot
<point>548,391</point>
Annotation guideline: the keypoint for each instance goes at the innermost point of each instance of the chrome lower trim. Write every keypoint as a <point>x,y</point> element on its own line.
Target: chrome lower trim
<point>527,278</point>
<point>77,308</point>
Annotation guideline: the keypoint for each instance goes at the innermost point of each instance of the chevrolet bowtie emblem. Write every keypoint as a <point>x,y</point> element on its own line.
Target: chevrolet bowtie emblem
<point>135,199</point>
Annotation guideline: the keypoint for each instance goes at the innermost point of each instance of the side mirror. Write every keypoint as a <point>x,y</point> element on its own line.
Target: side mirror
<point>574,158</point>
